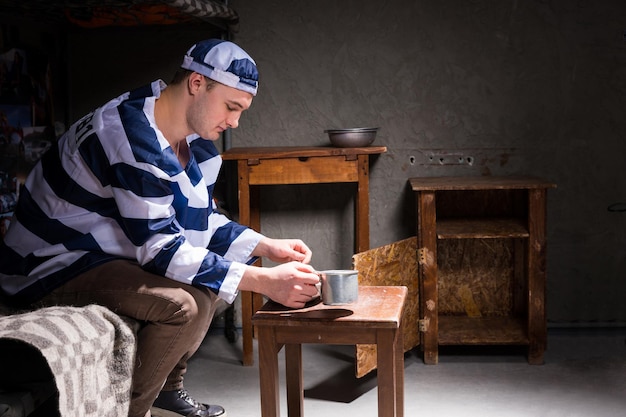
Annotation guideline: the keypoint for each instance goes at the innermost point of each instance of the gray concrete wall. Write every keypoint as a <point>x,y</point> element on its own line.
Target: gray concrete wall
<point>521,87</point>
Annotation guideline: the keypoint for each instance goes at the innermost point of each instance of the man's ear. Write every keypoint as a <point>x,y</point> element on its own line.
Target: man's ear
<point>194,82</point>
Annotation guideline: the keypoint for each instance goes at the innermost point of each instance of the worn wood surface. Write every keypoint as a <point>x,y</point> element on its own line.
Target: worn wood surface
<point>475,277</point>
<point>478,183</point>
<point>313,170</point>
<point>376,307</point>
<point>270,152</point>
<point>393,264</point>
<point>481,228</point>
<point>537,331</point>
<point>463,330</point>
<point>427,274</point>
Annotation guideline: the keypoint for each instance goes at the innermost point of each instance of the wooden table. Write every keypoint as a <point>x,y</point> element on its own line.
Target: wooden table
<point>511,210</point>
<point>297,165</point>
<point>374,319</point>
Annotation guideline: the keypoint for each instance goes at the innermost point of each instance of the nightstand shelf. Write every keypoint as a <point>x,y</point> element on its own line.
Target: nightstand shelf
<point>481,229</point>
<point>460,330</point>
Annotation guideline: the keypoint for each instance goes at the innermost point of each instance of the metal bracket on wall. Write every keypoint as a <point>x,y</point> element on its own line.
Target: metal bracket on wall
<point>448,158</point>
<point>468,157</point>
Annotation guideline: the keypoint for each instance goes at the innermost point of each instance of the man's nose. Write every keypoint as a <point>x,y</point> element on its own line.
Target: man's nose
<point>233,121</point>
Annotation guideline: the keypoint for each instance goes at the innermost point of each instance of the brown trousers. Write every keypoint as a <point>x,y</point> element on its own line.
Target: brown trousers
<point>174,319</point>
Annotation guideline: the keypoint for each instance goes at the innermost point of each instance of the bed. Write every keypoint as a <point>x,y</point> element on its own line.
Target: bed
<point>96,13</point>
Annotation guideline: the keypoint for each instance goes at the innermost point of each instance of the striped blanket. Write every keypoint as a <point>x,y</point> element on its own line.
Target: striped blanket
<point>90,351</point>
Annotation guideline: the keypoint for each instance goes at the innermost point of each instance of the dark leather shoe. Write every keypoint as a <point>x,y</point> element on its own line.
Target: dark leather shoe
<point>179,403</point>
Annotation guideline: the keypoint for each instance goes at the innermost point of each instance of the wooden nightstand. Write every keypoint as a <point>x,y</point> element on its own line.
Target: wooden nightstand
<point>297,165</point>
<point>482,262</point>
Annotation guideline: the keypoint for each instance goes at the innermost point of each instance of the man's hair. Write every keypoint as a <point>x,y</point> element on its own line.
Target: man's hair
<point>182,74</point>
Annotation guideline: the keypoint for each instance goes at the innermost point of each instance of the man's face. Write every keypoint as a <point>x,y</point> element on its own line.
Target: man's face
<point>216,109</point>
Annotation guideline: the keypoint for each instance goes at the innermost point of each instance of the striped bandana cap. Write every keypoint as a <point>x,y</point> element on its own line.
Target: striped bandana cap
<point>224,62</point>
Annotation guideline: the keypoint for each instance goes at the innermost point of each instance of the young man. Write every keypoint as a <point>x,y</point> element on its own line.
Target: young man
<point>120,213</point>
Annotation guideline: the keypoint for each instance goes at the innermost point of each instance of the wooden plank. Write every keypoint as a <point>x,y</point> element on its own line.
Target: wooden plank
<point>459,330</point>
<point>537,330</point>
<point>294,380</point>
<point>246,296</point>
<point>386,377</point>
<point>362,206</point>
<point>392,264</point>
<point>427,270</point>
<point>270,152</point>
<point>268,373</point>
<point>481,229</point>
<point>478,183</point>
<point>399,346</point>
<point>377,307</point>
<point>244,193</point>
<point>314,170</point>
<point>475,277</point>
<point>520,284</point>
<point>315,334</point>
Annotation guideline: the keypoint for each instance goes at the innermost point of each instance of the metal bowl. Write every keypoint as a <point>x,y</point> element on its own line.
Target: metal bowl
<point>352,138</point>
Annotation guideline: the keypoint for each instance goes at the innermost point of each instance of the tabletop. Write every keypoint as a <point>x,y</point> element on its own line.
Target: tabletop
<point>478,183</point>
<point>271,152</point>
<point>379,306</point>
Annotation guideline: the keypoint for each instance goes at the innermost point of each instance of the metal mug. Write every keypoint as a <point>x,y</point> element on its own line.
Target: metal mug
<point>339,286</point>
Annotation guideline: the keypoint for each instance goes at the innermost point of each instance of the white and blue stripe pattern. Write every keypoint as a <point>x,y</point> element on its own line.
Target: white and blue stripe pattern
<point>113,188</point>
<point>223,62</point>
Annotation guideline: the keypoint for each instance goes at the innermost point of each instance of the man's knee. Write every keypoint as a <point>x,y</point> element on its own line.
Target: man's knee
<point>196,304</point>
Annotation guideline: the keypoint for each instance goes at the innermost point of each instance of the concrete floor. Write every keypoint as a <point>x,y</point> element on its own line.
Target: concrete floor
<point>584,375</point>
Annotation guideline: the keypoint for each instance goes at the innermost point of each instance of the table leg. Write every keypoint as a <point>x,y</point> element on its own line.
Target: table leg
<point>246,296</point>
<point>255,224</point>
<point>295,390</point>
<point>268,372</point>
<point>387,377</point>
<point>362,206</point>
<point>246,328</point>
<point>399,349</point>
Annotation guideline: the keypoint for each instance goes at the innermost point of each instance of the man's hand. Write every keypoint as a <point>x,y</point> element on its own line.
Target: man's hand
<point>291,284</point>
<point>283,250</point>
